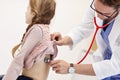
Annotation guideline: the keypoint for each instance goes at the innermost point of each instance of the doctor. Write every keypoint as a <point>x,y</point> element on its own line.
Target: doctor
<point>107,56</point>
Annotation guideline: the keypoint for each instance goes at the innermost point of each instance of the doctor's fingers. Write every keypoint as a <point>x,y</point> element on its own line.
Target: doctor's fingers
<point>56,36</point>
<point>54,63</point>
<point>60,70</point>
<point>59,43</point>
<point>59,63</point>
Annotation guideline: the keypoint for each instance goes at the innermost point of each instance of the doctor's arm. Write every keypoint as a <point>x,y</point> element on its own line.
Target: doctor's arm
<point>62,67</point>
<point>78,33</point>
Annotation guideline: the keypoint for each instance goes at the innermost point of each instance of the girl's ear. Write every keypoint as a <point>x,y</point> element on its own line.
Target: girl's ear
<point>33,14</point>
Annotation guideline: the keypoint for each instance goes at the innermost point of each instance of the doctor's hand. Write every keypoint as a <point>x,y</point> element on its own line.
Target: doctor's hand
<point>66,40</point>
<point>58,37</point>
<point>60,66</point>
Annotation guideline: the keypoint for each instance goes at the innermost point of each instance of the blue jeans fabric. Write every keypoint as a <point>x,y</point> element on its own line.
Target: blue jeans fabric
<point>21,77</point>
<point>1,76</point>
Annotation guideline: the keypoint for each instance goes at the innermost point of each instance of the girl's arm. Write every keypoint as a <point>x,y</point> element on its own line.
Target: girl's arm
<point>18,62</point>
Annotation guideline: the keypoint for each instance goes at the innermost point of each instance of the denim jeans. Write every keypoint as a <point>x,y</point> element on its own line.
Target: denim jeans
<point>1,76</point>
<point>21,77</point>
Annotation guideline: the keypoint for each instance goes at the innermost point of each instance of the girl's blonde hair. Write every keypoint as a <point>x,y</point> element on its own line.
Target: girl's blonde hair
<point>44,11</point>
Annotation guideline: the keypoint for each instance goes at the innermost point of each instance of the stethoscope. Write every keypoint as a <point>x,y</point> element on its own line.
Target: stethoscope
<point>96,30</point>
<point>48,59</point>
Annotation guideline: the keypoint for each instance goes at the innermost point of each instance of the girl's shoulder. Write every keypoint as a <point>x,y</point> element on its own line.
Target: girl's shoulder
<point>41,25</point>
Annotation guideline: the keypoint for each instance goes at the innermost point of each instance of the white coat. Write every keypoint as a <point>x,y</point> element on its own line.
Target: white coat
<point>102,68</point>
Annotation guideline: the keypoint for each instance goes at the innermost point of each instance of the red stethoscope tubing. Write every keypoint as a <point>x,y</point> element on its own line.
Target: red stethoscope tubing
<point>97,28</point>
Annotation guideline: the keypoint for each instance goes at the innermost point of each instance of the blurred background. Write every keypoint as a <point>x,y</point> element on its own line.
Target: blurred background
<point>69,14</point>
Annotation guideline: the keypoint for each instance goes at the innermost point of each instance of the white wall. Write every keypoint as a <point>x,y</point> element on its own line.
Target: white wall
<point>12,26</point>
<point>69,14</point>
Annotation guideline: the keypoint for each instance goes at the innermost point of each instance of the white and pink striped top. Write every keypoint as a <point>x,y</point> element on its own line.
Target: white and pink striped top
<point>35,43</point>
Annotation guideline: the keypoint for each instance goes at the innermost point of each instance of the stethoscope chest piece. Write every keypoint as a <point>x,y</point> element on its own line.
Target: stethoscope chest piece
<point>48,58</point>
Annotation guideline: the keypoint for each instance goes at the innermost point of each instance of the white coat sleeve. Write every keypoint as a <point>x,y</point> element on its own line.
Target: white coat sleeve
<point>84,29</point>
<point>18,62</point>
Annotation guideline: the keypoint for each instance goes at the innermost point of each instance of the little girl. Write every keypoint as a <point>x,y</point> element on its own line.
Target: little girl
<point>35,44</point>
